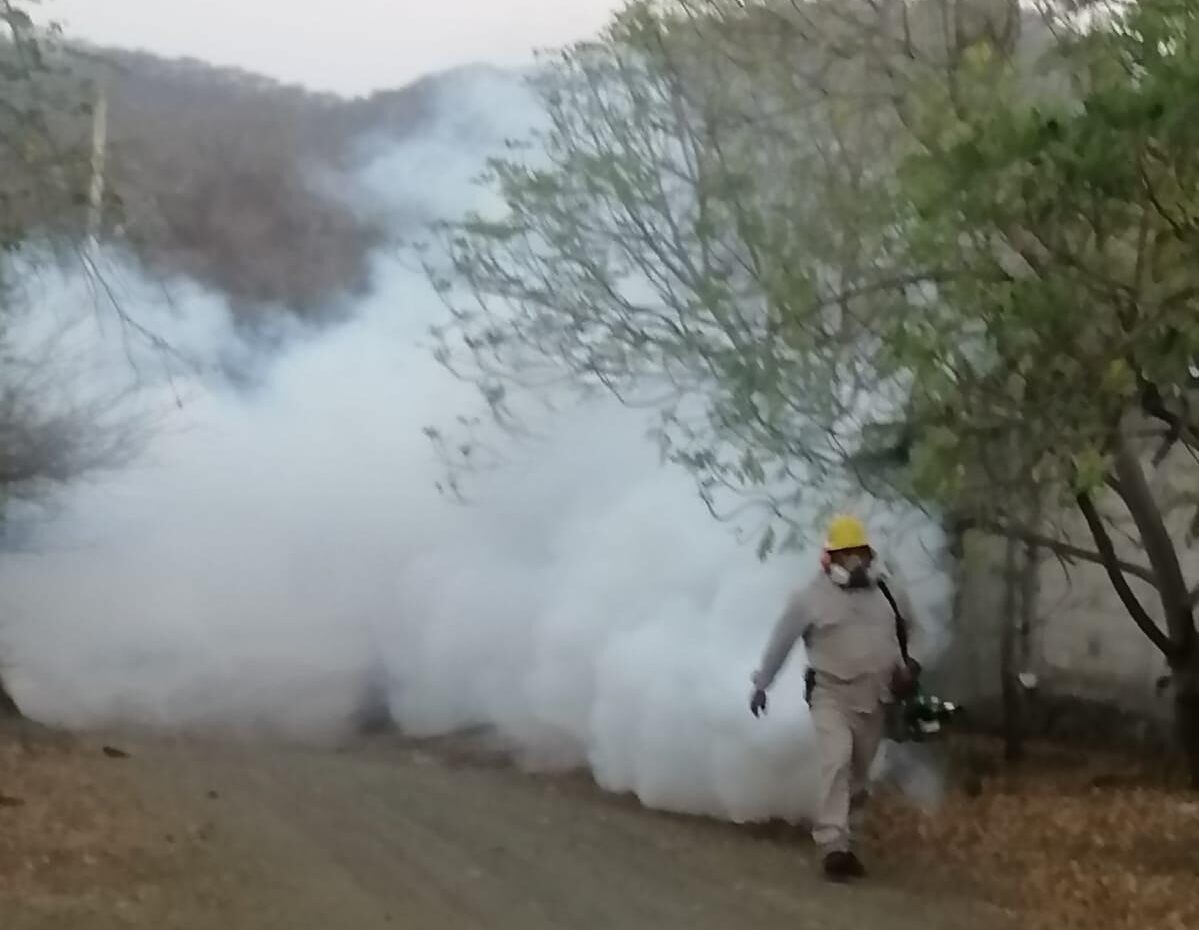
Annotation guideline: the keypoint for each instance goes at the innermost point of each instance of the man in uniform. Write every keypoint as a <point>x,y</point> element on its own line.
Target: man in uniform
<point>853,625</point>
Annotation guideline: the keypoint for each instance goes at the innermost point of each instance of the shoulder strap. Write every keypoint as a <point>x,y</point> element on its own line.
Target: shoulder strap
<point>901,624</point>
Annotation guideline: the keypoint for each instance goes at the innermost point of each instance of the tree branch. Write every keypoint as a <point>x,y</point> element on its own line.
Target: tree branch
<point>1159,545</point>
<point>1116,573</point>
<point>1154,405</point>
<point>1064,549</point>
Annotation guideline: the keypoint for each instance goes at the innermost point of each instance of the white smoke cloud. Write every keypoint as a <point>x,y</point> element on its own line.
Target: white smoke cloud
<point>279,551</point>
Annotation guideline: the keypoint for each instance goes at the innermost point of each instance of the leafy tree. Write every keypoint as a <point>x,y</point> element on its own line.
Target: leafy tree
<point>941,251</point>
<point>47,436</point>
<point>44,132</point>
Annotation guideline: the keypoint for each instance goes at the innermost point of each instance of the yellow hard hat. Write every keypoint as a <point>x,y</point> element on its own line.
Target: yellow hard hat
<point>846,533</point>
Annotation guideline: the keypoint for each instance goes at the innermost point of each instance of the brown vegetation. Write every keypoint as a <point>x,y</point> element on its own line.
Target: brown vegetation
<point>1067,840</point>
<point>233,179</point>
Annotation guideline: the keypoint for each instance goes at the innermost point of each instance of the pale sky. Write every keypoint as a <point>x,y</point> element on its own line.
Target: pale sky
<point>348,46</point>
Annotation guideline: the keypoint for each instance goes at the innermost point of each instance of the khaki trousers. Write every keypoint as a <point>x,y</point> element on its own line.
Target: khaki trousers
<point>847,741</point>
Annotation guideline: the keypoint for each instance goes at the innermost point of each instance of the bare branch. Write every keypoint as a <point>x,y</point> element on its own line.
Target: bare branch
<point>1064,549</point>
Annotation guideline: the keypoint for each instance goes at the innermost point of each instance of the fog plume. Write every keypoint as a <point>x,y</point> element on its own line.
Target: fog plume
<point>280,551</point>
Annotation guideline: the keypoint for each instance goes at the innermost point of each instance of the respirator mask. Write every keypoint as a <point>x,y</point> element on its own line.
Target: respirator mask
<point>854,571</point>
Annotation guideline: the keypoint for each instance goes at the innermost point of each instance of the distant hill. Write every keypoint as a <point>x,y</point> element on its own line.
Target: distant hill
<point>232,178</point>
<point>237,181</point>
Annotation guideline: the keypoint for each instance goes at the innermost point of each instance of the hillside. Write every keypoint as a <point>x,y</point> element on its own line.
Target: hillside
<point>233,179</point>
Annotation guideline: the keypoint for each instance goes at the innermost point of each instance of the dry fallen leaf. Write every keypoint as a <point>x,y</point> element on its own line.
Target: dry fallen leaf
<point>1050,844</point>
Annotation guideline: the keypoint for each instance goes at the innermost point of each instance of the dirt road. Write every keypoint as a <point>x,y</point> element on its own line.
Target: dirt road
<point>389,835</point>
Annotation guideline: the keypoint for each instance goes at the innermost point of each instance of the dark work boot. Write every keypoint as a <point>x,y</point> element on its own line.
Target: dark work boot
<point>837,867</point>
<point>843,866</point>
<point>855,867</point>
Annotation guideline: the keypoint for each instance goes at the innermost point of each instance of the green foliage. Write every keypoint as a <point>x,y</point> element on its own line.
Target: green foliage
<point>1068,223</point>
<point>850,250</point>
<point>43,152</point>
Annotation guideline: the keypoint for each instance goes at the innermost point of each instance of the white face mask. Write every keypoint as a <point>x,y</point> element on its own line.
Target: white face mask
<point>838,574</point>
<point>856,574</point>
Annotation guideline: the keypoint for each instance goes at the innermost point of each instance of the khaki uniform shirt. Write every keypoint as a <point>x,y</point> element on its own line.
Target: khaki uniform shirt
<point>850,637</point>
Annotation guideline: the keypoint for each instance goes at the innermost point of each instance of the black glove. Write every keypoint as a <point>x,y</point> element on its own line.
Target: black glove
<point>757,703</point>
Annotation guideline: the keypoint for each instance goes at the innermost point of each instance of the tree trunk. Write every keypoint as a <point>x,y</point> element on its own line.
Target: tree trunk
<point>8,707</point>
<point>1133,488</point>
<point>1013,726</point>
<point>1183,647</point>
<point>1186,713</point>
